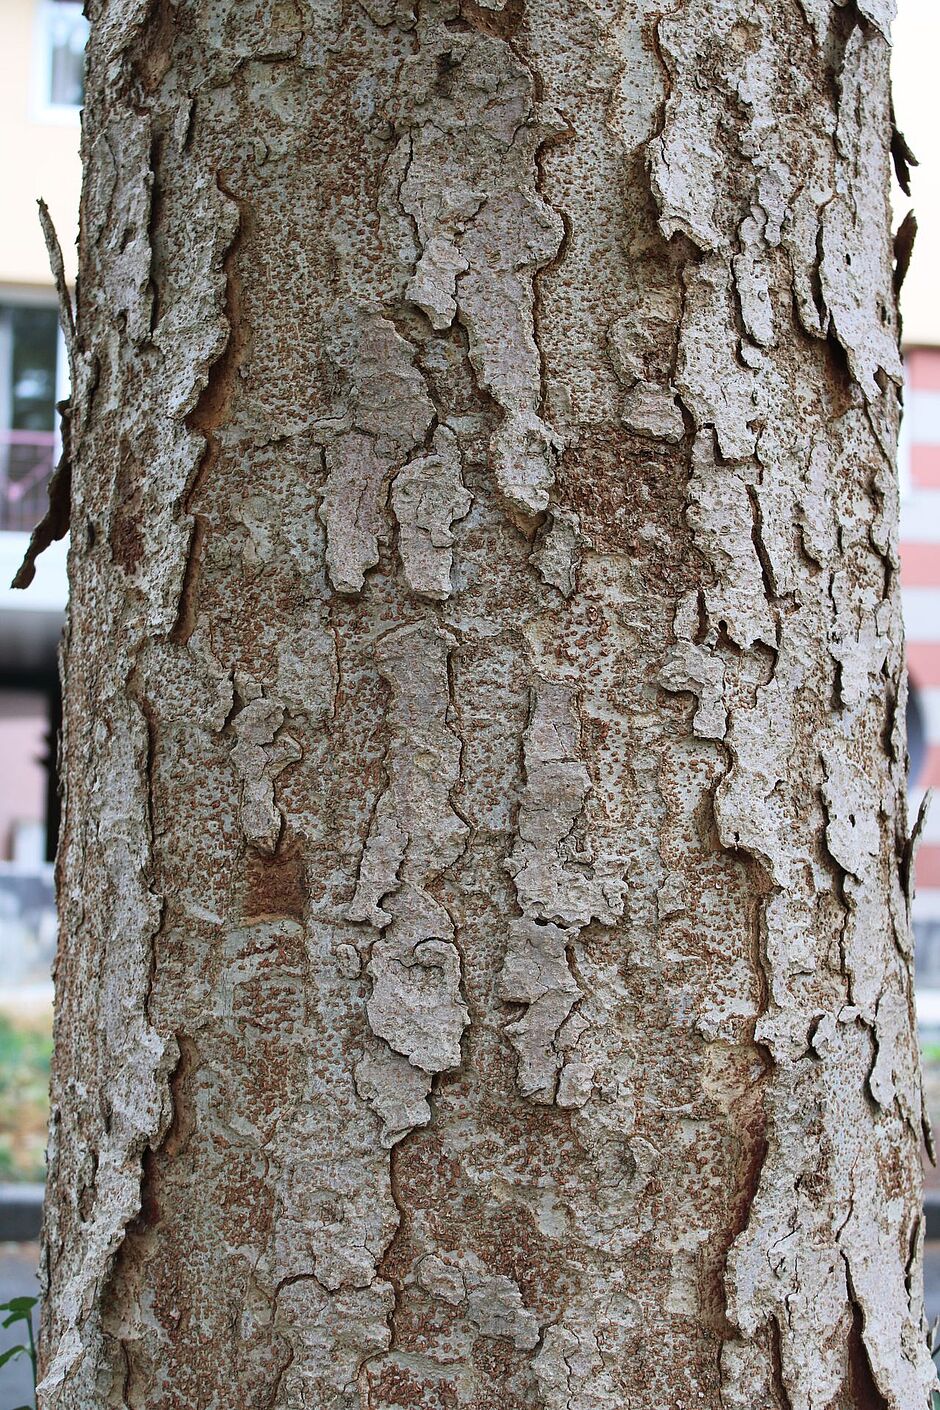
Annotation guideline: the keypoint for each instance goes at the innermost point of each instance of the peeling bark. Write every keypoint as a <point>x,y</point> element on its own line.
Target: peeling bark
<point>485,975</point>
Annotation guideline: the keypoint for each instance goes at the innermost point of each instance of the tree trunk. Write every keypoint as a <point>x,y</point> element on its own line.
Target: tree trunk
<point>485,976</point>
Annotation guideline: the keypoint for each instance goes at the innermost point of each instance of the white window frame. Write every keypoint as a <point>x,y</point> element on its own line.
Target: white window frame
<point>41,110</point>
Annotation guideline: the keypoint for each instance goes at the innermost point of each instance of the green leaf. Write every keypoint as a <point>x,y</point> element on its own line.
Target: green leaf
<point>15,1317</point>
<point>19,1304</point>
<point>19,1309</point>
<point>12,1351</point>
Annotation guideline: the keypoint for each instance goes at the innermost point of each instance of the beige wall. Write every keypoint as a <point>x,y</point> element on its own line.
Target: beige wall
<point>916,35</point>
<point>37,158</point>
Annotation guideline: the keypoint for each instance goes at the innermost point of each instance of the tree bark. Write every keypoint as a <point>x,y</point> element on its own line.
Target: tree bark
<point>485,974</point>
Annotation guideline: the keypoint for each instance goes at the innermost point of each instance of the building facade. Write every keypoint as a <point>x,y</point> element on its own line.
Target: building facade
<point>919,469</point>
<point>41,87</point>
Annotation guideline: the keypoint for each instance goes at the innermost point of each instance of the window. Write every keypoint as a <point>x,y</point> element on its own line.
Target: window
<point>30,363</point>
<point>32,334</point>
<point>62,32</point>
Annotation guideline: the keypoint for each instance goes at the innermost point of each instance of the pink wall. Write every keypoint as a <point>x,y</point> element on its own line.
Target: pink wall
<point>23,730</point>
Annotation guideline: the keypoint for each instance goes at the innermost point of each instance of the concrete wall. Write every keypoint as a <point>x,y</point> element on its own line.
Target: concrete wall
<point>38,155</point>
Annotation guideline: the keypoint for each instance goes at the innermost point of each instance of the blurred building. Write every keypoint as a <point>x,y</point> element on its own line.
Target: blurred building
<point>41,87</point>
<point>919,469</point>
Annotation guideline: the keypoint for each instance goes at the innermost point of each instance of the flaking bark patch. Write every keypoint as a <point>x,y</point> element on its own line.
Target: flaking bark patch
<point>428,497</point>
<point>414,966</point>
<point>562,883</point>
<point>483,230</point>
<point>557,877</point>
<point>787,1270</point>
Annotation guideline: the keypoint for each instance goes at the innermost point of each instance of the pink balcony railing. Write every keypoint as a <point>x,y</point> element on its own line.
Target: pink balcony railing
<point>26,461</point>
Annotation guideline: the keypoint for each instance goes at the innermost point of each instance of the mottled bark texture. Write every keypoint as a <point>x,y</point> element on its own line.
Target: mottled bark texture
<point>485,975</point>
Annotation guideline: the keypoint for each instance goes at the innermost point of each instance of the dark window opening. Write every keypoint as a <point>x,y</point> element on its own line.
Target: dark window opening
<point>29,351</point>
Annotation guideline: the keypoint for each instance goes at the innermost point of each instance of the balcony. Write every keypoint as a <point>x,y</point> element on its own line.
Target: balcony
<point>26,462</point>
<point>31,621</point>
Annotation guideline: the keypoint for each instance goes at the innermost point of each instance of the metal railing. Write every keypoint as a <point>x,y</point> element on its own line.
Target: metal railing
<point>26,462</point>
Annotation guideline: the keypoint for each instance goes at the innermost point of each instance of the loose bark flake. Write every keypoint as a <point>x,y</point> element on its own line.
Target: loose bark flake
<point>391,413</point>
<point>555,878</point>
<point>483,229</point>
<point>428,497</point>
<point>416,1005</point>
<point>260,752</point>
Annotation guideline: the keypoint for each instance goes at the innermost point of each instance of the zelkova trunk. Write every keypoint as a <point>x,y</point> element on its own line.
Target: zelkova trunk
<point>485,974</point>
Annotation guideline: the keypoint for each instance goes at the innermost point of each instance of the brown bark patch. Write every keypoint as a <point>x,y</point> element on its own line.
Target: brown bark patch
<point>127,544</point>
<point>502,24</point>
<point>154,53</point>
<point>630,500</point>
<point>397,1386</point>
<point>863,1393</point>
<point>276,885</point>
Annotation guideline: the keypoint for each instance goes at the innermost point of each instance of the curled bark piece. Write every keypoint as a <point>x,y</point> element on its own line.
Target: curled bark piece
<point>428,496</point>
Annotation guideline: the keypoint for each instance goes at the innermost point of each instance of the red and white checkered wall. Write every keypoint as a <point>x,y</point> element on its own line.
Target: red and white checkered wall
<point>919,466</point>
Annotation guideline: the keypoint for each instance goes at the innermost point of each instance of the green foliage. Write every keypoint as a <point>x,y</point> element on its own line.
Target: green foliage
<point>25,1052</point>
<point>20,1309</point>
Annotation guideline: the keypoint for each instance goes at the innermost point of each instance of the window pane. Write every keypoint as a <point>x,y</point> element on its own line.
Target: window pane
<point>66,33</point>
<point>32,390</point>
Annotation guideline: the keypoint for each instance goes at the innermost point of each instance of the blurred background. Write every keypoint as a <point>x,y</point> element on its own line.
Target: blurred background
<point>41,63</point>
